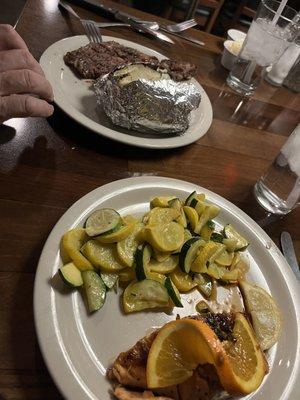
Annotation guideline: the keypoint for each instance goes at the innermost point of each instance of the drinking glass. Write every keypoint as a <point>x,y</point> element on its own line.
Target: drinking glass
<point>265,42</point>
<point>278,191</point>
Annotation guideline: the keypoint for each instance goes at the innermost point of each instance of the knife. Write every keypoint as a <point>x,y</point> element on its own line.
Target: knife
<point>187,38</point>
<point>121,16</point>
<point>289,253</point>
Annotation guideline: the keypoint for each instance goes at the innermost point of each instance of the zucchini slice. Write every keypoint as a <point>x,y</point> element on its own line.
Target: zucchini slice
<point>160,215</point>
<point>222,273</point>
<point>176,203</point>
<point>141,261</point>
<point>208,253</point>
<point>109,279</point>
<point>204,284</point>
<point>202,307</point>
<point>126,248</point>
<point>192,216</point>
<point>145,294</point>
<point>126,275</point>
<point>162,201</point>
<point>103,221</point>
<point>102,256</point>
<point>160,256</point>
<point>206,232</point>
<point>203,218</point>
<point>165,267</point>
<point>210,223</point>
<point>173,292</point>
<point>190,197</point>
<point>231,233</point>
<point>166,237</point>
<point>183,281</point>
<point>118,235</point>
<point>71,275</point>
<point>188,253</point>
<point>95,290</point>
<point>225,258</point>
<point>217,237</point>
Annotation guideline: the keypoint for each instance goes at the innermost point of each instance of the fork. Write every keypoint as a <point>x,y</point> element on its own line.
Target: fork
<point>89,26</point>
<point>182,26</point>
<point>91,31</point>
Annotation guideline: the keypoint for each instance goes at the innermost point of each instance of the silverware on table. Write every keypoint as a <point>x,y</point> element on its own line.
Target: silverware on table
<point>89,26</point>
<point>126,18</point>
<point>289,253</point>
<point>142,27</point>
<point>181,26</point>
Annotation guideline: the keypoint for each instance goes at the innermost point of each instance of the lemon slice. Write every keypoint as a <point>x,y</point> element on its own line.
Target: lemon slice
<point>265,314</point>
<point>165,237</point>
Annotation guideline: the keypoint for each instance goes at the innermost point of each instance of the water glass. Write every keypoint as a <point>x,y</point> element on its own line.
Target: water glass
<point>278,191</point>
<point>265,42</point>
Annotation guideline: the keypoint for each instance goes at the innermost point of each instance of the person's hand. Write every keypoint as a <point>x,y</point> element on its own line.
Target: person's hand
<point>24,90</point>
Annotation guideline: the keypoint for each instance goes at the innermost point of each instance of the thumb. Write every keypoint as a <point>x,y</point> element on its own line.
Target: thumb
<point>21,105</point>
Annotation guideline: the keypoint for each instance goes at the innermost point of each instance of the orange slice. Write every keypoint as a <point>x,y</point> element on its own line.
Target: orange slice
<point>182,345</point>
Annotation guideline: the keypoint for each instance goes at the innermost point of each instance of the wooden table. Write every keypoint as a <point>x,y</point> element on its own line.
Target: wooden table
<point>46,165</point>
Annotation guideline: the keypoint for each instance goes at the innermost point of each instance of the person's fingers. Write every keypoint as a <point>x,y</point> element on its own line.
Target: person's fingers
<point>19,59</point>
<point>25,81</point>
<point>10,39</point>
<point>20,105</point>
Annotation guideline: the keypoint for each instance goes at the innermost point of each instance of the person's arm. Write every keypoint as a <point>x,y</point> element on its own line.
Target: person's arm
<point>24,90</point>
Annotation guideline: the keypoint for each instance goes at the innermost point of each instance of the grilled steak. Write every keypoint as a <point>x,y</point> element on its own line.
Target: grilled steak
<point>97,59</point>
<point>179,70</point>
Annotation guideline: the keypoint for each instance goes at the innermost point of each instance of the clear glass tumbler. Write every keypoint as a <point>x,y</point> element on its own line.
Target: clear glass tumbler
<point>278,191</point>
<point>265,42</point>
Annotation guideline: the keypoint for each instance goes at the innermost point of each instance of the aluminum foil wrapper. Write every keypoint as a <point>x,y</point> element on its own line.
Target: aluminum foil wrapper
<point>150,106</point>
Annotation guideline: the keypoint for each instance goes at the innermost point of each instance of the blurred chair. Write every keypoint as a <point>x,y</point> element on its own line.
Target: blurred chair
<point>205,12</point>
<point>238,20</point>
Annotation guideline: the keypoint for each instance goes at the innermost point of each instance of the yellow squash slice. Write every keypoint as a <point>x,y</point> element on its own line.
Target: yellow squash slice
<point>102,256</point>
<point>72,241</point>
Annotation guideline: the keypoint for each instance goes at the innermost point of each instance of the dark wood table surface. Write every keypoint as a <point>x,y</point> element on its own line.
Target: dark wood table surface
<point>46,165</point>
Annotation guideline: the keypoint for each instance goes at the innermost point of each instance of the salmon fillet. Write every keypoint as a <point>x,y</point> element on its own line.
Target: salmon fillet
<point>129,369</point>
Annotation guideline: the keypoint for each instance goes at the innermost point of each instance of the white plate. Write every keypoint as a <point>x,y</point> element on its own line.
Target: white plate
<point>76,98</point>
<point>78,348</point>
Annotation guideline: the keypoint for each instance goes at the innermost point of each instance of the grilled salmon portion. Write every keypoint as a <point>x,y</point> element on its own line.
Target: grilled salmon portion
<point>130,367</point>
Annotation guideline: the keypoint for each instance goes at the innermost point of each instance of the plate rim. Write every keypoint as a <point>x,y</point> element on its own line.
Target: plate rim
<point>132,140</point>
<point>129,184</point>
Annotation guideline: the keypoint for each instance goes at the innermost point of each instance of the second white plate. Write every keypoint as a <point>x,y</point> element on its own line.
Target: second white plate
<point>76,98</point>
<point>78,347</point>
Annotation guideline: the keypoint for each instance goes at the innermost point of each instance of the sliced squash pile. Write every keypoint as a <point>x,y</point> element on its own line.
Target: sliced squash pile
<point>173,249</point>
